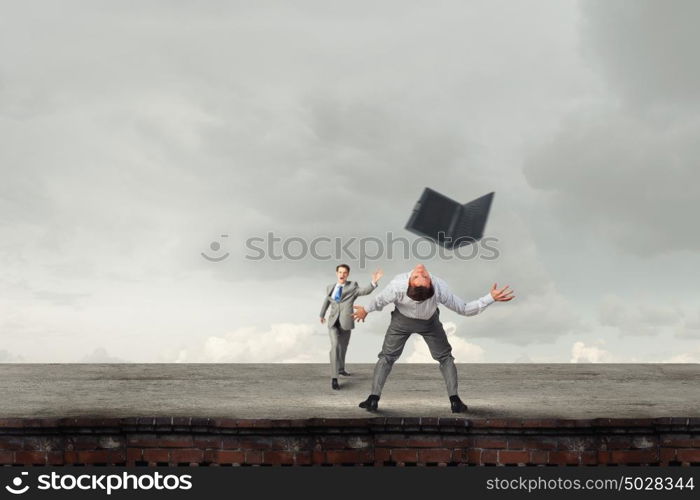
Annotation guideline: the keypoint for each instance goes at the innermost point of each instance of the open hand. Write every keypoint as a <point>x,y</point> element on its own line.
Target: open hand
<point>360,314</point>
<point>377,275</point>
<point>502,295</point>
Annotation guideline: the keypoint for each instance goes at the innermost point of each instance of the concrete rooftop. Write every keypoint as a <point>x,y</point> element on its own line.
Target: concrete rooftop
<point>303,390</point>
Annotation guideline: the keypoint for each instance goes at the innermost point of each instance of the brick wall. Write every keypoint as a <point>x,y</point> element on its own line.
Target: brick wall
<point>374,441</point>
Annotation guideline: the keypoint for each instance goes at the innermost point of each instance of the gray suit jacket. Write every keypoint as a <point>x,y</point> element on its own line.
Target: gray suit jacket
<point>343,310</point>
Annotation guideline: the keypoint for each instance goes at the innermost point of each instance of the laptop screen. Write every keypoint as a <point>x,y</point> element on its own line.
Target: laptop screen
<point>433,215</point>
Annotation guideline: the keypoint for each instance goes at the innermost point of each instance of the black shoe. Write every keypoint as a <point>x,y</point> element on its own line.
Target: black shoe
<point>334,384</point>
<point>371,403</point>
<point>344,373</point>
<point>457,405</point>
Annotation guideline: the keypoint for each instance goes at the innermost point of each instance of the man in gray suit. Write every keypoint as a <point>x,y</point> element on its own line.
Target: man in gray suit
<point>340,297</point>
<point>416,296</point>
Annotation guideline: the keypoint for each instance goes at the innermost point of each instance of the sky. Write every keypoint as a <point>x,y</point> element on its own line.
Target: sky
<point>137,136</point>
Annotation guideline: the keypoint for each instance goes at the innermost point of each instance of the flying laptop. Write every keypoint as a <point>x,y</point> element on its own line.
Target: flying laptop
<point>447,222</point>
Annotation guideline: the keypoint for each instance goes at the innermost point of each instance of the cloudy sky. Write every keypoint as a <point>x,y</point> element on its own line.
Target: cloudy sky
<point>133,135</point>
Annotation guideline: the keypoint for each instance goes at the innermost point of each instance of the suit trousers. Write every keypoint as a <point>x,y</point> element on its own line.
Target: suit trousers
<point>339,346</point>
<point>400,328</point>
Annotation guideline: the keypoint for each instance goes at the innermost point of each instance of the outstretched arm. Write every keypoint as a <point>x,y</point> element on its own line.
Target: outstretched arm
<point>451,301</point>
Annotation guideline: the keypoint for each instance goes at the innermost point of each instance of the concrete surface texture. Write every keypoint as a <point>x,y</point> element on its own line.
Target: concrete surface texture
<point>303,390</point>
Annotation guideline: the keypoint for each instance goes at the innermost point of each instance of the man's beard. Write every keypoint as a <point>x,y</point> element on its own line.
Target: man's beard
<point>420,293</point>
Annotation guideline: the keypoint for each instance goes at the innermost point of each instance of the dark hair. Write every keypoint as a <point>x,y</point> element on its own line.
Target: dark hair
<point>420,293</point>
<point>342,265</point>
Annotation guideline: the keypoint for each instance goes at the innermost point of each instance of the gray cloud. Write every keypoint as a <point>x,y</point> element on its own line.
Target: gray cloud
<point>623,170</point>
<point>123,157</point>
<point>646,49</point>
<point>623,180</point>
<point>689,326</point>
<point>529,319</point>
<point>637,318</point>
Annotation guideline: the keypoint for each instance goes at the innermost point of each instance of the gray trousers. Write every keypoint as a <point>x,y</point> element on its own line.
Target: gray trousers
<point>339,346</point>
<point>400,328</point>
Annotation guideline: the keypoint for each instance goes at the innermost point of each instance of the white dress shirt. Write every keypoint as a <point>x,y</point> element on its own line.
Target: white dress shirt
<point>395,293</point>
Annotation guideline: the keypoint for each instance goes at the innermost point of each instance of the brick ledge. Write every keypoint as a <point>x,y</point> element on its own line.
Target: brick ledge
<point>158,423</point>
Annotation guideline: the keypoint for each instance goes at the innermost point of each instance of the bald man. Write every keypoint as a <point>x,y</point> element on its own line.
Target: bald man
<point>416,296</point>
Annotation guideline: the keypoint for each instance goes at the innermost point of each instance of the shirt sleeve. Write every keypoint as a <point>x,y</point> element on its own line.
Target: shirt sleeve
<point>387,296</point>
<point>451,301</point>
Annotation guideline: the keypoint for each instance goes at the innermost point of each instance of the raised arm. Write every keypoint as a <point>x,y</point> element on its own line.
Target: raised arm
<point>376,276</point>
<point>366,290</point>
